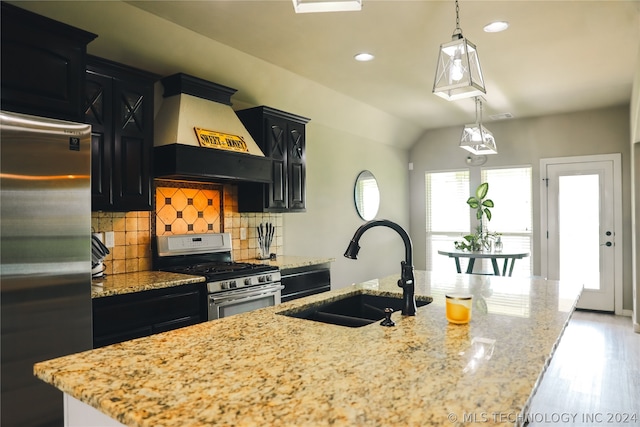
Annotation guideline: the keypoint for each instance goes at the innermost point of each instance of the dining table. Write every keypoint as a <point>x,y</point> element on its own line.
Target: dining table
<point>507,267</point>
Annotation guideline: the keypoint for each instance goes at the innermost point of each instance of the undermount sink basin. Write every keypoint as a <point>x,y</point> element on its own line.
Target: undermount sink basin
<point>353,311</point>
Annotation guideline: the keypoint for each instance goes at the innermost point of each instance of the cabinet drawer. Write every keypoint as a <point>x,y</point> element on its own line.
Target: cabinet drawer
<point>305,293</point>
<point>305,281</point>
<point>139,314</point>
<point>103,340</point>
<point>175,324</point>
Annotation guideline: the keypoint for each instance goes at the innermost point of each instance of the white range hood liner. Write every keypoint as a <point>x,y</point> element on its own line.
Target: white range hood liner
<point>180,114</point>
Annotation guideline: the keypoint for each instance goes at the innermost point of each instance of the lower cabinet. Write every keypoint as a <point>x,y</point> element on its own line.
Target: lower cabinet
<point>125,317</point>
<point>304,281</point>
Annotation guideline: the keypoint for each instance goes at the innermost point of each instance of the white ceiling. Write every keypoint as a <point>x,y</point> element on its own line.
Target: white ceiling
<point>557,56</point>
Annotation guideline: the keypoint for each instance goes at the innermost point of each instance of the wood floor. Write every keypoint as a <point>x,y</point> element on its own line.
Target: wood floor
<point>594,376</point>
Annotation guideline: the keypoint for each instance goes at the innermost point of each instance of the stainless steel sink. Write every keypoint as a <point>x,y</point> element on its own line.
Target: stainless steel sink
<point>353,311</point>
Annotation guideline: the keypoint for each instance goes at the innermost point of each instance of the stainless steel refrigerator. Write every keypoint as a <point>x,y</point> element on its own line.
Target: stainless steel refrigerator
<point>45,259</point>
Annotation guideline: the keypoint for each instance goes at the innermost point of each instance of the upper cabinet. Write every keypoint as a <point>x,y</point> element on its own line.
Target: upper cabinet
<point>119,107</point>
<point>43,65</point>
<point>281,137</point>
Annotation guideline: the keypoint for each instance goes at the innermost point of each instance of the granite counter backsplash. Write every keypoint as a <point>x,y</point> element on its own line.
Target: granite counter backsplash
<point>127,283</point>
<point>287,262</point>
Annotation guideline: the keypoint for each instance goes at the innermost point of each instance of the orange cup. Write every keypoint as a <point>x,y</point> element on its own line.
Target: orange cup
<point>458,308</point>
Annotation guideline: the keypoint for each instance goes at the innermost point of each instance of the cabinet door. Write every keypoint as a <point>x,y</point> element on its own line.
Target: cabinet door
<point>42,65</point>
<point>133,115</point>
<point>276,148</point>
<point>296,167</point>
<point>281,136</point>
<point>99,114</point>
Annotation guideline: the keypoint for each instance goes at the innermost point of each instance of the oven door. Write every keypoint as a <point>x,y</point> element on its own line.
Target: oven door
<point>225,304</point>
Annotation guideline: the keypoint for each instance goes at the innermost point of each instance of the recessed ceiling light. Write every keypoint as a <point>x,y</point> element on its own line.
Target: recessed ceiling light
<point>501,116</point>
<point>363,57</point>
<point>496,26</point>
<point>309,6</point>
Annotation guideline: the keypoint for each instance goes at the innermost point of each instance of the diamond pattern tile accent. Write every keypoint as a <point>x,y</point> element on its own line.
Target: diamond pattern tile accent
<point>187,210</point>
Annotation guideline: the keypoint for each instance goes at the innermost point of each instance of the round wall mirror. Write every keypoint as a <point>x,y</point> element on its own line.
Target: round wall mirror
<point>367,195</point>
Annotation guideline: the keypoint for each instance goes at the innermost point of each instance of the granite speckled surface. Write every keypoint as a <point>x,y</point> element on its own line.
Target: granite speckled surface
<point>262,368</point>
<point>287,262</point>
<point>125,283</point>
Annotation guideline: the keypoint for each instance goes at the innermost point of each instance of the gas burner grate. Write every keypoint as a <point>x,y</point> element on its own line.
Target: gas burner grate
<point>221,269</point>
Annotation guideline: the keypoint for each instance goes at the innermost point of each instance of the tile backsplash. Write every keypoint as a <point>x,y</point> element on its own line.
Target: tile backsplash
<point>188,210</point>
<point>234,222</point>
<point>132,240</point>
<point>182,208</point>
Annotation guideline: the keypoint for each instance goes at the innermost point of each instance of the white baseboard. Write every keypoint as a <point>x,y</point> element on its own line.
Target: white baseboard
<point>627,313</point>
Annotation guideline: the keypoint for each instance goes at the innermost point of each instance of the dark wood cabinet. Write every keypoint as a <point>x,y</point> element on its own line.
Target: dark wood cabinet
<point>124,317</point>
<point>281,137</point>
<point>119,106</point>
<point>43,65</point>
<point>303,281</point>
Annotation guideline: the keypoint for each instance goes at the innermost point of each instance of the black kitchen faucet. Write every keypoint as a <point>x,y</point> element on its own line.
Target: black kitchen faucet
<point>406,281</point>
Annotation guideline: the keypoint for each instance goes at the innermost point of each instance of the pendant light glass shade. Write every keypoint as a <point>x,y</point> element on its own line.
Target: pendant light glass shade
<point>476,138</point>
<point>458,74</point>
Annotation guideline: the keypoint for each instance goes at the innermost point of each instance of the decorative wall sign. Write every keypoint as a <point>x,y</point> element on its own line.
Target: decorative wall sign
<point>219,140</point>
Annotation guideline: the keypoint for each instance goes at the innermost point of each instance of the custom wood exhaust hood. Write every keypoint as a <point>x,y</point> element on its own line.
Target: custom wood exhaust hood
<point>199,137</point>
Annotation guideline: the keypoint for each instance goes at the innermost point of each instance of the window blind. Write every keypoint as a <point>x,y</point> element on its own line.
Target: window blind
<point>510,189</point>
<point>446,193</point>
<point>448,221</point>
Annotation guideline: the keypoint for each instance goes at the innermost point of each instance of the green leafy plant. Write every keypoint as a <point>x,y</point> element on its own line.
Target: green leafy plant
<point>480,203</point>
<point>481,239</point>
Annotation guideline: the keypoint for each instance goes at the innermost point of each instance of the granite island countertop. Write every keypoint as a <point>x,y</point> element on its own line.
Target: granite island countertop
<point>262,368</point>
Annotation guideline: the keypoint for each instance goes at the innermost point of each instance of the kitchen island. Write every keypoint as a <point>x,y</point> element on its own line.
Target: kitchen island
<point>264,368</point>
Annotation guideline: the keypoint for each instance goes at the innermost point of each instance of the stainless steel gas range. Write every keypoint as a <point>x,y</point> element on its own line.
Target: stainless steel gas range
<point>232,287</point>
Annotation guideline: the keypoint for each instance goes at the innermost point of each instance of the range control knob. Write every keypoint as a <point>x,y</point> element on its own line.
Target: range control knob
<point>268,278</point>
<point>247,281</point>
<point>261,279</point>
<point>233,284</point>
<point>224,285</point>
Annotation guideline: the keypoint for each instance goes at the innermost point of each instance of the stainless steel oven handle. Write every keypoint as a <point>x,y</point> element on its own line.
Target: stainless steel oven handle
<point>245,296</point>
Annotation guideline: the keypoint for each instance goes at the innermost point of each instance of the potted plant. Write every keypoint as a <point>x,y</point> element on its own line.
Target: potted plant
<point>481,240</point>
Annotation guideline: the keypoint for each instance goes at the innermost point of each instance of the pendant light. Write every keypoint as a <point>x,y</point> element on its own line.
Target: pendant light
<point>476,138</point>
<point>458,74</point>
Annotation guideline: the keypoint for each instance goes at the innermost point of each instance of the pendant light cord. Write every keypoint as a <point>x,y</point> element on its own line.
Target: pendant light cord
<point>478,102</point>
